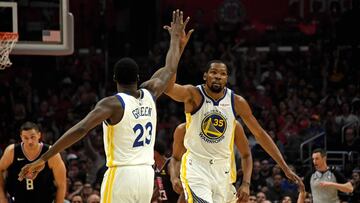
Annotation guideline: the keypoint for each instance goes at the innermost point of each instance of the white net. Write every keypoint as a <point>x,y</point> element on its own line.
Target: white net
<point>7,42</point>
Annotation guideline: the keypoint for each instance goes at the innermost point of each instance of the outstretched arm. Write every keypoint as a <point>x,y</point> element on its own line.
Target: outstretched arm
<point>343,187</point>
<point>242,145</point>
<point>160,80</point>
<point>102,111</point>
<point>242,108</point>
<point>175,162</point>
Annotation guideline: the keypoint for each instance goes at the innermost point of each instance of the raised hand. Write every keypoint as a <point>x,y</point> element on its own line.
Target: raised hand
<point>30,171</point>
<point>177,26</point>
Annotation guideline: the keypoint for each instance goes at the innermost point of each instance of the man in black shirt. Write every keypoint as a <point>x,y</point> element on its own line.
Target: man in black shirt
<point>325,181</point>
<point>50,184</point>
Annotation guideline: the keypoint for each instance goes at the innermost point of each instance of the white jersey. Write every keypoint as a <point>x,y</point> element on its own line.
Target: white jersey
<point>210,129</point>
<point>131,141</point>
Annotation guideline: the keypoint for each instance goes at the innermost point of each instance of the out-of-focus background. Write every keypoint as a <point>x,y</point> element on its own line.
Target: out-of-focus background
<point>297,63</point>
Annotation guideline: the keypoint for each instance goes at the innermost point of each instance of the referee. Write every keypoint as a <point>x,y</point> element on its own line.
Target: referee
<point>324,182</point>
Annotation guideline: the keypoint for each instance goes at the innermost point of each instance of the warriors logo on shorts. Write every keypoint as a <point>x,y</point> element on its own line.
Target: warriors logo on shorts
<point>213,127</point>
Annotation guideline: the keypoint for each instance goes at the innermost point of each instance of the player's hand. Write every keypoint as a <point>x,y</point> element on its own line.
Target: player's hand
<point>30,171</point>
<point>177,186</point>
<point>294,178</point>
<point>243,193</point>
<point>177,26</point>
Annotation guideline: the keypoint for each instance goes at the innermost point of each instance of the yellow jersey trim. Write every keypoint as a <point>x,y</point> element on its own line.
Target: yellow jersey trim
<point>183,177</point>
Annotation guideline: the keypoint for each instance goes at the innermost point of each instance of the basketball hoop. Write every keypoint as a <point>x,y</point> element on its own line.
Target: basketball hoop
<point>7,42</point>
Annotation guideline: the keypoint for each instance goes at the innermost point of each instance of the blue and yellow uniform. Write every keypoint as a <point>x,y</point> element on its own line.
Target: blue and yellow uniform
<point>208,167</point>
<point>129,148</point>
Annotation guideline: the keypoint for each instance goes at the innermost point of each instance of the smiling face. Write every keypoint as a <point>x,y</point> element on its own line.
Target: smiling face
<point>216,77</point>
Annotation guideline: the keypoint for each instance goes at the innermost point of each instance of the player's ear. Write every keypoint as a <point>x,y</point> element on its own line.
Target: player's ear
<point>138,78</point>
<point>205,76</point>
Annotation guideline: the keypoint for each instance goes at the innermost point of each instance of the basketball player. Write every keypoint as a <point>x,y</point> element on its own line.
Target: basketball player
<point>50,184</point>
<point>129,122</point>
<point>211,109</point>
<point>241,143</point>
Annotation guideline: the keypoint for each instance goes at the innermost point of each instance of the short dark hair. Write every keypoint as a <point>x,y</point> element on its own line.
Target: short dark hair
<point>321,151</point>
<point>126,71</point>
<point>208,65</point>
<point>29,126</point>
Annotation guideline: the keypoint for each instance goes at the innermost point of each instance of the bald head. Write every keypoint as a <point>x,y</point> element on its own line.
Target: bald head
<point>93,198</point>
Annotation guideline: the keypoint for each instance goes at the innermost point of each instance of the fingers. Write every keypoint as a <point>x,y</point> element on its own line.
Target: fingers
<point>23,173</point>
<point>293,177</point>
<point>29,172</point>
<point>243,197</point>
<point>178,17</point>
<point>179,189</point>
<point>181,17</point>
<point>35,174</point>
<point>297,180</point>
<point>189,33</point>
<point>173,17</point>
<point>243,194</point>
<point>186,21</point>
<point>177,186</point>
<point>166,27</point>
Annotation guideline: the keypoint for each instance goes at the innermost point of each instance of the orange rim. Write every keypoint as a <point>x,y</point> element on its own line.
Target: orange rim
<point>8,36</point>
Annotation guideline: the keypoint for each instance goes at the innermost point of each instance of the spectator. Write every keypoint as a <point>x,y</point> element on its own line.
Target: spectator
<point>256,181</point>
<point>260,197</point>
<point>276,192</point>
<point>77,199</point>
<point>93,198</point>
<point>265,170</point>
<point>252,198</point>
<point>355,181</point>
<point>346,116</point>
<point>351,140</point>
<point>270,180</point>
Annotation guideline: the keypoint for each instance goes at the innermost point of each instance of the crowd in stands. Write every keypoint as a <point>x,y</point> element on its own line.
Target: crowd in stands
<point>295,95</point>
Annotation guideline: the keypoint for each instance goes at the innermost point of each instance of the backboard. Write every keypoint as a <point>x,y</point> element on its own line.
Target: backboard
<point>45,27</point>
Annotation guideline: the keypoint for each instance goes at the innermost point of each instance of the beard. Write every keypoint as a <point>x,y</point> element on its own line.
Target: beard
<point>216,88</point>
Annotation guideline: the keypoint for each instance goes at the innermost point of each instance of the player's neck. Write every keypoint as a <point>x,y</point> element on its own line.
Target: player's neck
<point>323,168</point>
<point>214,95</point>
<point>129,89</point>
